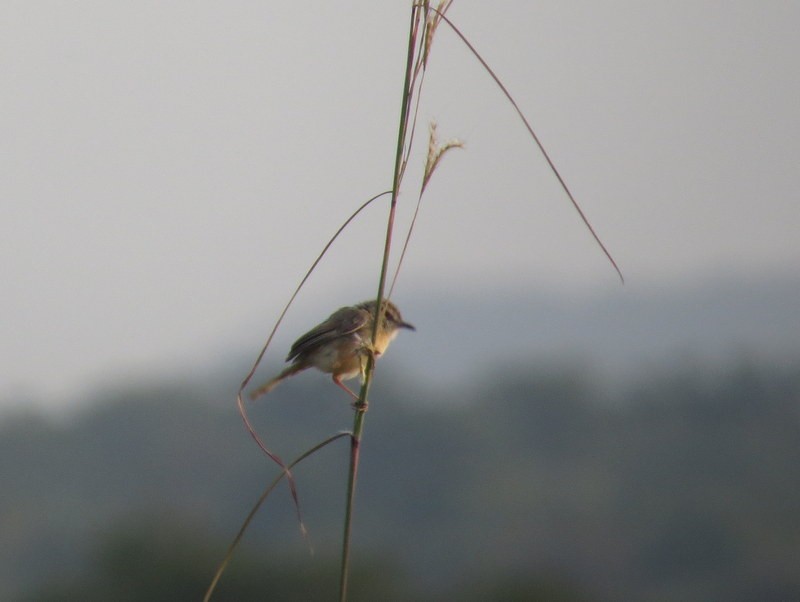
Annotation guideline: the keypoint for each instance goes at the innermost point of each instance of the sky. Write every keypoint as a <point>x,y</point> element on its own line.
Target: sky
<point>170,170</point>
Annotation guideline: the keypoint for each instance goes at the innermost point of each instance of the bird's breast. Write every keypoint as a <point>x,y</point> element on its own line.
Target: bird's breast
<point>341,357</point>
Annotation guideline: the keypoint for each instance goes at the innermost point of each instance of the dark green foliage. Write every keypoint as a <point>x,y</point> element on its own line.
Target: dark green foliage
<point>685,487</point>
<point>156,561</point>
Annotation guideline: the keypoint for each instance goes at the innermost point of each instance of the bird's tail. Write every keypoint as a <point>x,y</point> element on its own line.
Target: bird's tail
<point>272,383</point>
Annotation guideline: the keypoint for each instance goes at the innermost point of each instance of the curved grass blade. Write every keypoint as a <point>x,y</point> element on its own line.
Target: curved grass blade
<point>235,543</point>
<point>544,152</point>
<point>347,222</point>
<point>239,400</point>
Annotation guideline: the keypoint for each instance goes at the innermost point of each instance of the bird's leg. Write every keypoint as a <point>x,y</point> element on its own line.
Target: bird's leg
<point>338,382</point>
<point>365,351</point>
<point>360,408</point>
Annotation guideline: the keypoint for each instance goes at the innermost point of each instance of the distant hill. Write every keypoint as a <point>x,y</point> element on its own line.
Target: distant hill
<point>526,483</point>
<point>631,329</point>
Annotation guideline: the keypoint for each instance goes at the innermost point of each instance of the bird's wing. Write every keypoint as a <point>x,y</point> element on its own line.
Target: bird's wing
<point>342,322</point>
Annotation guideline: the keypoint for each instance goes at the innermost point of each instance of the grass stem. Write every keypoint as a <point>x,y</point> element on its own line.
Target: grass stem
<point>361,404</point>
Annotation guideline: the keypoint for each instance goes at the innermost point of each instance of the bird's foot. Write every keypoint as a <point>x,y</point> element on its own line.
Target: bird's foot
<point>360,407</point>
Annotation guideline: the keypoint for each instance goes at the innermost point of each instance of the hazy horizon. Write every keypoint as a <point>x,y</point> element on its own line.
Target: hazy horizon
<point>460,339</point>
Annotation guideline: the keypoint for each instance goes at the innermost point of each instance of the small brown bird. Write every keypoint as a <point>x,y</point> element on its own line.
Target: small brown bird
<point>339,345</point>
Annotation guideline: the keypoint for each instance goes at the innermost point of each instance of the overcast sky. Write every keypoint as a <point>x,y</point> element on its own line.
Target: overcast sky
<point>170,169</point>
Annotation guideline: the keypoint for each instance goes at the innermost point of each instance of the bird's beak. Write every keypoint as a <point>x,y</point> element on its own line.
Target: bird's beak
<point>406,325</point>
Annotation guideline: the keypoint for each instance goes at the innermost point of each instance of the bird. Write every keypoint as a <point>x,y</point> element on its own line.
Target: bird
<point>339,345</point>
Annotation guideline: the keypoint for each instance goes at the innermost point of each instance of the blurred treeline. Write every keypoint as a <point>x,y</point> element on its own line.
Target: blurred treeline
<point>524,485</point>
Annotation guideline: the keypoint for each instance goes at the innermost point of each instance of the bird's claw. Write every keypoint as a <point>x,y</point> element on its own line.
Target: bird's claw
<point>360,407</point>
